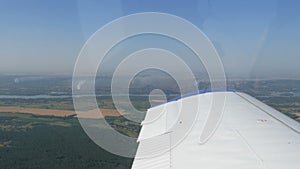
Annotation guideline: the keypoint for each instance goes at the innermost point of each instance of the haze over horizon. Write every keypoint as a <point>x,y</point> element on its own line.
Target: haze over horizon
<point>255,39</point>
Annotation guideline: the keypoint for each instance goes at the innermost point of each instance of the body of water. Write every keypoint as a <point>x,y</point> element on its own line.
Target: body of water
<point>56,96</point>
<point>34,97</point>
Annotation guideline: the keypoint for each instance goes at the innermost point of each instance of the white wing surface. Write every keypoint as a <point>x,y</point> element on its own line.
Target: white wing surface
<point>250,135</point>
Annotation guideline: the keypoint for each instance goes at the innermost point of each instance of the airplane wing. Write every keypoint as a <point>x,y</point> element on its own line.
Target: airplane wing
<point>250,135</point>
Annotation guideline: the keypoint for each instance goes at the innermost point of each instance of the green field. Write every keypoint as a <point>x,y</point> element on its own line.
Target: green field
<point>28,141</point>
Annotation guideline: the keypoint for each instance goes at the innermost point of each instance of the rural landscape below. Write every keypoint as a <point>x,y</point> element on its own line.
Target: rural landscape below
<point>38,110</point>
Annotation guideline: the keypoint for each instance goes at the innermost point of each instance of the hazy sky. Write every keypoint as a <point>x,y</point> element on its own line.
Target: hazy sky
<point>255,38</point>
